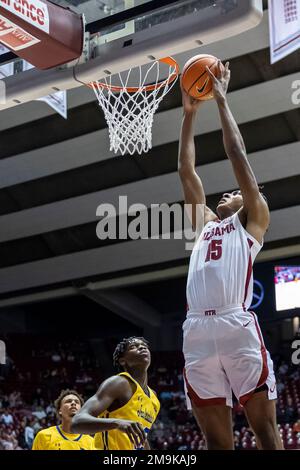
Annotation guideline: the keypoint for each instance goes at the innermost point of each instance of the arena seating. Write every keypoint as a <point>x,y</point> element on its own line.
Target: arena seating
<point>30,383</point>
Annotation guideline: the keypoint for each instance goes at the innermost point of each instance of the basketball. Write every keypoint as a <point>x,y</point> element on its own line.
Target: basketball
<point>195,80</point>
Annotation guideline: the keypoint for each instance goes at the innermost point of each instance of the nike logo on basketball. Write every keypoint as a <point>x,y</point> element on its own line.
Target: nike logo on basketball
<point>246,324</point>
<point>200,90</point>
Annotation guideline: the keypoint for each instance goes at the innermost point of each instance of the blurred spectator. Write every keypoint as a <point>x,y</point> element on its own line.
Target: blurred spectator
<point>7,418</point>
<point>56,357</point>
<point>83,378</point>
<point>39,413</point>
<point>4,401</point>
<point>36,425</point>
<point>280,386</point>
<point>29,435</point>
<point>27,392</point>
<point>70,357</point>
<point>14,398</point>
<point>50,409</point>
<point>8,441</point>
<point>296,427</point>
<point>37,396</point>
<point>283,369</point>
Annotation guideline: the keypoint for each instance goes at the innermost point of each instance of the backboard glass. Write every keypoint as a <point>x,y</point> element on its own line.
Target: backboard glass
<point>126,33</point>
<point>99,9</point>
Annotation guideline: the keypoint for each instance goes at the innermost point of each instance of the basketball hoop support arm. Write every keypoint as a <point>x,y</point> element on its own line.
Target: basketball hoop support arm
<point>185,33</point>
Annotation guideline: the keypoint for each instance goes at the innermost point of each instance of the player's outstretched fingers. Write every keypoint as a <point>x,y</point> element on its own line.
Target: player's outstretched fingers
<point>133,436</point>
<point>212,76</point>
<point>137,435</point>
<point>220,70</point>
<point>140,433</point>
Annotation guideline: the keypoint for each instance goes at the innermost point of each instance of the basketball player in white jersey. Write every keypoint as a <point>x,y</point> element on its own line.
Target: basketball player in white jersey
<point>222,342</point>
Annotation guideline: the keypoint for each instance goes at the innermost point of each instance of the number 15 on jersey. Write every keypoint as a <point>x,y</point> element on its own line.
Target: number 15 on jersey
<point>214,251</point>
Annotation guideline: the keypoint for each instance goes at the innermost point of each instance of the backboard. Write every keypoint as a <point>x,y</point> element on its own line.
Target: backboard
<point>126,33</point>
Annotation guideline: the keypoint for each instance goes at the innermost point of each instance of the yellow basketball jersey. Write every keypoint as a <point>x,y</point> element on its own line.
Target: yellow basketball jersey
<point>140,407</point>
<point>54,438</point>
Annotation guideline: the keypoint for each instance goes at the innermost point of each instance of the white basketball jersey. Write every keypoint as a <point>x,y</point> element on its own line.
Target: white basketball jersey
<point>220,270</point>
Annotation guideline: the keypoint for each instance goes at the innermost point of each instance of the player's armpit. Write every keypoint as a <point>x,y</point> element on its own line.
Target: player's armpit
<point>86,421</point>
<point>258,220</point>
<point>199,215</point>
<point>254,204</point>
<point>209,215</point>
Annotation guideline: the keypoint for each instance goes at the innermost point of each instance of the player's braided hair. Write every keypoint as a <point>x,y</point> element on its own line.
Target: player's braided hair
<point>122,347</point>
<point>65,393</point>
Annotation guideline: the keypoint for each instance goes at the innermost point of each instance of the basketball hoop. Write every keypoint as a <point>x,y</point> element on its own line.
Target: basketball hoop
<point>129,110</point>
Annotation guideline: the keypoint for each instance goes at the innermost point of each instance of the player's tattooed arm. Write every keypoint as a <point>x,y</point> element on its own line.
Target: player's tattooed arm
<point>86,421</point>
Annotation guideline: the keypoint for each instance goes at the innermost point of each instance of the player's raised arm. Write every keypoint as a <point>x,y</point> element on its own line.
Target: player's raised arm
<point>87,421</point>
<point>254,206</point>
<point>192,186</point>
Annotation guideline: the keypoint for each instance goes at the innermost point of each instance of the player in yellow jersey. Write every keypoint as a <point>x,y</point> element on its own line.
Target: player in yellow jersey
<point>60,437</point>
<point>124,408</point>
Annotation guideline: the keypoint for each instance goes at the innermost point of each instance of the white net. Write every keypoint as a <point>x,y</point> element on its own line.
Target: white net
<point>129,111</point>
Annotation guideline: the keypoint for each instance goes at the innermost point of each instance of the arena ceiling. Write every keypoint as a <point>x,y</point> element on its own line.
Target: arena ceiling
<point>54,173</point>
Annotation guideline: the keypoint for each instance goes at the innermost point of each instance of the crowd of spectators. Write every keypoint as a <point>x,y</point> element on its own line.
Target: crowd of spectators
<point>176,428</point>
<point>30,383</point>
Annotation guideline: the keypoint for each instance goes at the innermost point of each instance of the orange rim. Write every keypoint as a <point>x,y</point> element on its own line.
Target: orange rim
<point>166,60</point>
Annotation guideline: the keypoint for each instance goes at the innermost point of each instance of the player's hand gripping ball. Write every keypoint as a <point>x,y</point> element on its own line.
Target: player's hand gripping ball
<point>195,79</point>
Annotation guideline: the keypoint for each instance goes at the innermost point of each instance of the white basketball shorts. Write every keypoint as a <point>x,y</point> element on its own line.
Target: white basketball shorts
<point>224,352</point>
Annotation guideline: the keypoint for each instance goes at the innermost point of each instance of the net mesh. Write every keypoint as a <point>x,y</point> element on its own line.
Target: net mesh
<point>129,111</point>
